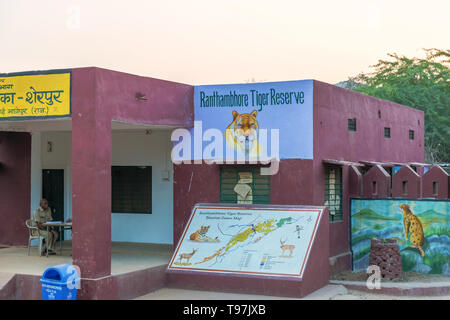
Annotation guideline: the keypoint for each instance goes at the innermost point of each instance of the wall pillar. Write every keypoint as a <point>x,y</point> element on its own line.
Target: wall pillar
<point>91,180</point>
<point>355,182</point>
<point>15,176</point>
<point>91,196</point>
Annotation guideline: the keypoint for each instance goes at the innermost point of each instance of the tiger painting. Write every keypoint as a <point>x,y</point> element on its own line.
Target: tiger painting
<point>242,133</point>
<point>200,235</point>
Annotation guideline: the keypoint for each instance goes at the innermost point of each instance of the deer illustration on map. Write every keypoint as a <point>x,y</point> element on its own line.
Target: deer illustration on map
<point>187,256</point>
<point>285,247</point>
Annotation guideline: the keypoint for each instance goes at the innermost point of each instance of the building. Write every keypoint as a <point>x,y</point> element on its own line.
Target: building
<point>111,138</point>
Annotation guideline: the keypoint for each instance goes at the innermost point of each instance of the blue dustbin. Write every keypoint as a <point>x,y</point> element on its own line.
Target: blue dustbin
<point>60,283</point>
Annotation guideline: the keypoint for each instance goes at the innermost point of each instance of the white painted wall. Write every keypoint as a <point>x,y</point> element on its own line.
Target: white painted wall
<point>128,148</point>
<point>36,175</point>
<point>36,171</point>
<point>139,149</point>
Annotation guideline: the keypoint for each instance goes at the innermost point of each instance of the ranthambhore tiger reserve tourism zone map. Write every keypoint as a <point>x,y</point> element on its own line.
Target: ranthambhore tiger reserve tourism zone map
<point>258,241</point>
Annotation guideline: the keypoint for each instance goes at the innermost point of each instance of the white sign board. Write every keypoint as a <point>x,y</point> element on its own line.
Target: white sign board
<point>247,240</point>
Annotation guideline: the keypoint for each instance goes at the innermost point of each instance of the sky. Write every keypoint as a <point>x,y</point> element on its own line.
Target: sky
<point>219,41</point>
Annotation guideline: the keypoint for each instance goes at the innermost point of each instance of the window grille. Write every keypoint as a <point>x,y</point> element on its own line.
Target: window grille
<point>352,124</point>
<point>333,192</point>
<point>244,184</point>
<point>131,189</point>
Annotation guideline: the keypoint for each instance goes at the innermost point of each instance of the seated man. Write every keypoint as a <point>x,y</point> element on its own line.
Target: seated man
<point>42,215</point>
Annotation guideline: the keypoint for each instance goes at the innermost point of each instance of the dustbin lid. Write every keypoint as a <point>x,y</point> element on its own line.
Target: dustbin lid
<point>61,273</point>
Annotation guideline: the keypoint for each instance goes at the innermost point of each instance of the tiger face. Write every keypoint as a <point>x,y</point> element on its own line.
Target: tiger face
<point>244,130</point>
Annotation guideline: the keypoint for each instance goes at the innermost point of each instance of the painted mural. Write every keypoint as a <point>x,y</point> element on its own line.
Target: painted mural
<point>421,228</point>
<point>249,120</point>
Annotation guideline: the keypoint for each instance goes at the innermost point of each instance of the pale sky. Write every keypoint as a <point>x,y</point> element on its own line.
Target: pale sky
<point>217,41</point>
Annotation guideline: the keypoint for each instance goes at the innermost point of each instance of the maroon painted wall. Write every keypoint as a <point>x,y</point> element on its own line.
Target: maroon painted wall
<point>91,177</point>
<point>406,173</point>
<point>303,181</point>
<point>355,181</point>
<point>333,106</point>
<point>100,96</point>
<point>436,174</point>
<point>339,234</point>
<point>383,183</point>
<point>168,103</point>
<point>200,183</point>
<point>293,184</point>
<point>15,184</point>
<point>192,183</point>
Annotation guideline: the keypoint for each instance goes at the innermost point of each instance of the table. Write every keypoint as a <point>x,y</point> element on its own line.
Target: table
<point>62,226</point>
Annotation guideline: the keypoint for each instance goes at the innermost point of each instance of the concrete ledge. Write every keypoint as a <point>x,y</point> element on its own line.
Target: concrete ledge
<point>240,284</point>
<point>7,286</point>
<point>400,289</point>
<point>122,286</point>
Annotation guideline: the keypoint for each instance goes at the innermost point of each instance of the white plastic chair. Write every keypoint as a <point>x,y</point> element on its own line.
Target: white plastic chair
<point>34,234</point>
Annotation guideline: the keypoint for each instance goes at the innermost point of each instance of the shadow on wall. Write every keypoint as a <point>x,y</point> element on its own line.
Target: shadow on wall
<point>384,218</point>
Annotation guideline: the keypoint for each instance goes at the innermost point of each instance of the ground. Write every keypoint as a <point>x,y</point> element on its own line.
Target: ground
<point>360,295</point>
<point>406,277</point>
<point>330,292</point>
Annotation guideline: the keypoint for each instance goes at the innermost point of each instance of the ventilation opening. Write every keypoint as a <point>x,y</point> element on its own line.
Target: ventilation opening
<point>352,124</point>
<point>374,188</point>
<point>405,187</point>
<point>435,188</point>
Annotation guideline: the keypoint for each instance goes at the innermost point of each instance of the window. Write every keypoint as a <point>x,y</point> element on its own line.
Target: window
<point>387,132</point>
<point>131,189</point>
<point>333,192</point>
<point>244,184</point>
<point>411,134</point>
<point>352,124</point>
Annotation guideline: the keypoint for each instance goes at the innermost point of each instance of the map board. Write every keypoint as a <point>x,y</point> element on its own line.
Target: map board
<point>263,240</point>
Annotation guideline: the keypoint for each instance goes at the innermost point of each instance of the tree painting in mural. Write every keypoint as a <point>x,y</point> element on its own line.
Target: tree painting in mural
<point>421,83</point>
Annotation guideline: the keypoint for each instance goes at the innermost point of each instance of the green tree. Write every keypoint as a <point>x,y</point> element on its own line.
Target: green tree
<point>421,83</point>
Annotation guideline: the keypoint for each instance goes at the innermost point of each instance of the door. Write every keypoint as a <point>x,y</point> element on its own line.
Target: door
<point>53,191</point>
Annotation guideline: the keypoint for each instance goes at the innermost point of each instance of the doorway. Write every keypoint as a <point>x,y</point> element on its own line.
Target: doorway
<point>53,191</point>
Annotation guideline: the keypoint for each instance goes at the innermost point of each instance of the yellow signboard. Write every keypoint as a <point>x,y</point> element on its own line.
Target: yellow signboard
<point>34,95</point>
